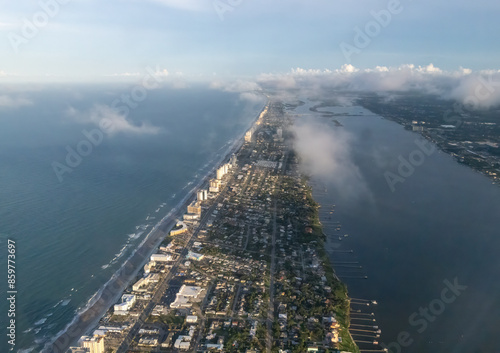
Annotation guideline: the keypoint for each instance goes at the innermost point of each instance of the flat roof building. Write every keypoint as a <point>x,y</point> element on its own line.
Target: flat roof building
<point>191,319</point>
<point>161,258</point>
<point>128,301</point>
<point>185,296</point>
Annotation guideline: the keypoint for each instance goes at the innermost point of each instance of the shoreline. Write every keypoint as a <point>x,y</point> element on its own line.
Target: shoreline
<point>111,291</point>
<point>330,270</point>
<point>341,288</point>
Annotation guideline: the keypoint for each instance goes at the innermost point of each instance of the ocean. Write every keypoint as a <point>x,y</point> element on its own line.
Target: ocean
<point>77,196</point>
<point>426,249</point>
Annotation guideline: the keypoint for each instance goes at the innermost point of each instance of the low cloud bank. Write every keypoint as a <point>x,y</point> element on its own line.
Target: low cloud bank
<point>111,121</point>
<point>7,101</point>
<point>478,90</point>
<point>326,153</point>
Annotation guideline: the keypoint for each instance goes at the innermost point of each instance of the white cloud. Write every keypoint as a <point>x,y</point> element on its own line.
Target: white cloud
<point>477,90</point>
<point>10,102</point>
<point>252,97</point>
<point>326,153</point>
<point>159,73</point>
<point>125,74</point>
<point>235,86</point>
<point>111,122</point>
<point>347,68</point>
<point>164,73</point>
<point>464,85</point>
<point>464,71</point>
<point>249,90</point>
<point>429,69</point>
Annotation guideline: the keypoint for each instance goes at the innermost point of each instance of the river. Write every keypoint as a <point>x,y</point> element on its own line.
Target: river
<point>428,244</point>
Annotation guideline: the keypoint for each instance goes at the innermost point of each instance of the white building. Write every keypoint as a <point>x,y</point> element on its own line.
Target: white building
<point>137,286</point>
<point>191,319</point>
<point>194,207</point>
<point>248,135</point>
<point>186,295</point>
<point>220,173</point>
<point>191,216</point>
<point>103,330</point>
<point>128,301</point>
<point>161,257</point>
<point>183,342</point>
<point>149,266</point>
<point>214,185</point>
<point>144,281</point>
<point>181,227</point>
<point>194,256</point>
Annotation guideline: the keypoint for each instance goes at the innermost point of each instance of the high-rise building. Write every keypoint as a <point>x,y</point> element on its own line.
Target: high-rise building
<point>214,185</point>
<point>248,136</point>
<point>94,344</point>
<point>194,207</point>
<point>220,173</point>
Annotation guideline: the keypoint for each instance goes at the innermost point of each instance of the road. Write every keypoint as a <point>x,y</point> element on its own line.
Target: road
<point>163,285</point>
<point>270,312</point>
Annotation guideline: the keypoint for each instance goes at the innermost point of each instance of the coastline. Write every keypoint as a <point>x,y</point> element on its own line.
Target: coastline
<point>110,292</point>
<point>333,280</point>
<point>338,286</point>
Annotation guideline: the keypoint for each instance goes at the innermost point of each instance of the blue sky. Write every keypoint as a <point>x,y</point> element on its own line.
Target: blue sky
<point>90,40</point>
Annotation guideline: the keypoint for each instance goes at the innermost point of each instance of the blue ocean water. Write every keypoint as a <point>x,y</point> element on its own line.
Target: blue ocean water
<point>73,231</point>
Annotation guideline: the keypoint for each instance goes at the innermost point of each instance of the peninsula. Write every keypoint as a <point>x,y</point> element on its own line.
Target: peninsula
<point>244,270</point>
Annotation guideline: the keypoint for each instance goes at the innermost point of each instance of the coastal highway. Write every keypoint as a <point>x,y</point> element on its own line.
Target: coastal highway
<point>270,312</point>
<point>110,292</point>
<point>113,289</point>
<point>163,285</point>
<point>155,300</point>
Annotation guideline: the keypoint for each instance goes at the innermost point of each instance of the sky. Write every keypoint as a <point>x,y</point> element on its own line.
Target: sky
<point>94,41</point>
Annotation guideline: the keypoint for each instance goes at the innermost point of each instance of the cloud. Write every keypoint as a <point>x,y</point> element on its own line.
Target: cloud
<point>125,74</point>
<point>10,102</point>
<point>478,90</point>
<point>463,85</point>
<point>159,73</point>
<point>110,121</point>
<point>235,86</point>
<point>249,90</point>
<point>326,153</point>
<point>252,97</point>
<point>162,78</point>
<point>164,72</point>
